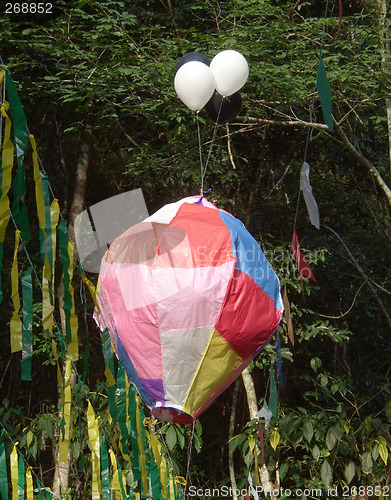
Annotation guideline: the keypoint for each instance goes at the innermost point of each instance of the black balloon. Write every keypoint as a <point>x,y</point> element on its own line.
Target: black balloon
<point>192,56</point>
<point>223,109</point>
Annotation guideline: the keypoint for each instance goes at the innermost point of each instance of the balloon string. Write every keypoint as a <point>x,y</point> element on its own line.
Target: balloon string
<point>199,145</point>
<point>211,147</point>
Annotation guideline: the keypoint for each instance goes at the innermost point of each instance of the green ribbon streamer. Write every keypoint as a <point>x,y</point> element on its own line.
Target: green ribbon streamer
<point>121,405</point>
<point>123,494</point>
<point>27,352</point>
<point>3,469</point>
<point>39,488</point>
<point>273,397</point>
<point>324,91</point>
<point>105,471</point>
<point>133,434</point>
<point>155,481</point>
<point>21,140</point>
<point>87,352</point>
<point>20,478</point>
<point>47,243</point>
<point>1,244</point>
<point>143,436</point>
<point>109,365</point>
<point>1,266</point>
<point>63,245</point>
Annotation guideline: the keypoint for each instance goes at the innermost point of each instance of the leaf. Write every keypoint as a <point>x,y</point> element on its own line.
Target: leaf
<point>197,443</point>
<point>236,441</point>
<point>29,438</point>
<point>283,470</point>
<point>125,71</point>
<point>75,448</point>
<point>345,427</point>
<point>308,430</point>
<point>326,473</point>
<point>316,452</point>
<point>366,462</point>
<point>274,439</point>
<point>324,380</point>
<point>171,438</point>
<point>350,472</point>
<point>383,452</point>
<point>338,431</point>
<point>388,411</point>
<point>331,439</point>
<point>180,438</point>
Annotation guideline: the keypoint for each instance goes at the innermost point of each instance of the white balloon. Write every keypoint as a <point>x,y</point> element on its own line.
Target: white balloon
<point>230,71</point>
<point>194,84</point>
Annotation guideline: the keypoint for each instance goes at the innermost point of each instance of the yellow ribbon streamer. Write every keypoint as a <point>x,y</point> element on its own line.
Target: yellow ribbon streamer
<point>92,290</point>
<point>93,436</point>
<point>2,74</point>
<point>16,322</point>
<point>66,412</point>
<point>48,272</point>
<point>7,159</point>
<point>171,486</point>
<point>160,460</point>
<point>73,347</point>
<point>14,472</point>
<point>39,199</point>
<point>180,480</point>
<point>142,451</point>
<point>47,307</point>
<point>115,480</point>
<point>124,483</point>
<point>155,445</point>
<point>29,485</point>
<point>163,476</point>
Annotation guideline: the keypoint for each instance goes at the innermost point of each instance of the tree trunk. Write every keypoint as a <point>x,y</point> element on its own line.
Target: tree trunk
<point>386,62</point>
<point>250,393</point>
<point>252,199</point>
<point>230,436</point>
<point>62,469</point>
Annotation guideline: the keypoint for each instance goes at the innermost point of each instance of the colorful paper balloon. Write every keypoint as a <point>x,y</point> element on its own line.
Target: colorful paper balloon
<point>194,84</point>
<point>189,300</point>
<point>230,71</point>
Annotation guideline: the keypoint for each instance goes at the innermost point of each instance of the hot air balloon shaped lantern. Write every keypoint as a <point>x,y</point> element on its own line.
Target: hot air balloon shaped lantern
<point>189,300</point>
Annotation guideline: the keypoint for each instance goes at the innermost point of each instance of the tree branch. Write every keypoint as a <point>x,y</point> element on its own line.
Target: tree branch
<point>229,146</point>
<point>361,271</point>
<point>286,123</point>
<point>363,160</point>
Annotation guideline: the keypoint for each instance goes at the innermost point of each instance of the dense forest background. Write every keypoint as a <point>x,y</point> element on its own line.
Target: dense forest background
<point>96,83</point>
